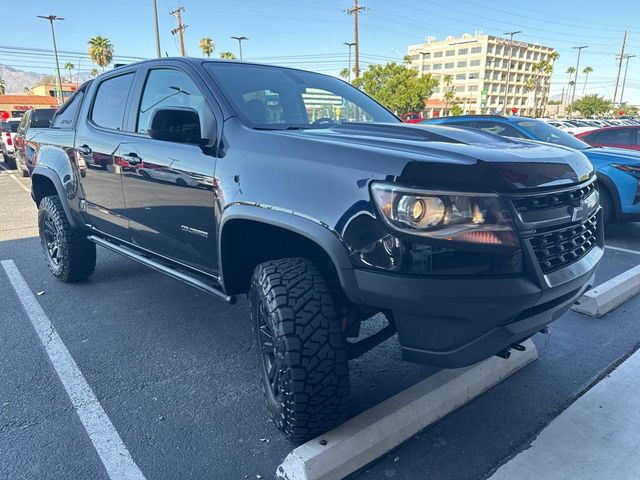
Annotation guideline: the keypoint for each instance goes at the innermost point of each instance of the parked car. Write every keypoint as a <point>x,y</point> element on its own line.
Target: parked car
<point>618,170</point>
<point>566,126</point>
<point>618,137</point>
<point>468,243</point>
<point>411,117</point>
<point>30,125</point>
<point>9,129</point>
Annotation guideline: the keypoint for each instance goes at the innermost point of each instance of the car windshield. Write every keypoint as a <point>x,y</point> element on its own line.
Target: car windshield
<point>548,133</point>
<point>280,98</point>
<point>10,126</point>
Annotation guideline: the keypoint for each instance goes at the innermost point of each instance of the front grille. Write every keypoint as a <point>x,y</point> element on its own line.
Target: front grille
<point>558,248</point>
<point>551,200</point>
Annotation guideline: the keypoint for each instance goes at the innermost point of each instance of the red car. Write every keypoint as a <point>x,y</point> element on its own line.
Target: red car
<point>411,117</point>
<point>627,136</point>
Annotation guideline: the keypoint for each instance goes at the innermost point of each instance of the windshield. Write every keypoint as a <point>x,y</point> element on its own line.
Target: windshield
<point>281,98</point>
<point>548,133</point>
<point>11,126</point>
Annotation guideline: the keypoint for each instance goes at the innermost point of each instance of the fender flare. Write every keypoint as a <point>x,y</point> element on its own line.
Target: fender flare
<point>312,229</point>
<point>611,188</point>
<point>52,176</point>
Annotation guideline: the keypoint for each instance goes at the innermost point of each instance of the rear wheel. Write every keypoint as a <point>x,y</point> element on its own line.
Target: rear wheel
<point>303,356</point>
<point>70,256</point>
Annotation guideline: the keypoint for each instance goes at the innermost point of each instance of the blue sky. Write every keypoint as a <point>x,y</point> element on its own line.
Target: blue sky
<point>309,33</point>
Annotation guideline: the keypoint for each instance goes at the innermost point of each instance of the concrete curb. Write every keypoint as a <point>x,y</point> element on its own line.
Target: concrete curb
<point>364,438</point>
<point>611,294</point>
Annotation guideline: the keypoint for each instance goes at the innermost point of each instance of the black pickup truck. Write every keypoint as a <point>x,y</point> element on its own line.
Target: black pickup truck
<point>318,203</point>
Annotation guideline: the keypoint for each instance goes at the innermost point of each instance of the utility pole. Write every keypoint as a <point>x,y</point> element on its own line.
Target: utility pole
<point>575,78</point>
<point>51,19</point>
<point>180,28</point>
<point>155,17</point>
<point>240,39</point>
<point>349,44</point>
<point>624,81</point>
<point>624,42</point>
<point>506,89</point>
<point>561,101</point>
<point>354,11</point>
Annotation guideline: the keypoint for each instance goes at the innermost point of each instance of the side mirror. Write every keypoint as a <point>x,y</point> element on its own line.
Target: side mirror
<point>178,125</point>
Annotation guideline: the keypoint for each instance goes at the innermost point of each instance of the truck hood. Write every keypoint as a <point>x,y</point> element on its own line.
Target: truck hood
<point>434,156</point>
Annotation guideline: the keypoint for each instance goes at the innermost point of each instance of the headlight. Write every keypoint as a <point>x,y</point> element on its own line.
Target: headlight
<point>462,217</point>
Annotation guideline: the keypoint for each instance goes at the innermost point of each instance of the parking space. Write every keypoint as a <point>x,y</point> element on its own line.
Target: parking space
<point>176,372</point>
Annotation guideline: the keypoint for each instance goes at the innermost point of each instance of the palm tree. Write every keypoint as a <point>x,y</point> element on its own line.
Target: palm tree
<point>207,46</point>
<point>26,90</point>
<point>94,72</point>
<point>532,85</point>
<point>100,51</point>
<point>344,73</point>
<point>70,66</point>
<point>227,56</point>
<point>587,70</point>
<point>570,72</point>
<point>3,86</point>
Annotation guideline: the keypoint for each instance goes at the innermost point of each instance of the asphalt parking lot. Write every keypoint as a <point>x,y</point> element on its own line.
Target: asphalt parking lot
<point>176,372</point>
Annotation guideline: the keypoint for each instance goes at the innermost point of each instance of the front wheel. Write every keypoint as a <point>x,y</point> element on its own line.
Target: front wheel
<point>302,350</point>
<point>608,207</point>
<point>70,256</point>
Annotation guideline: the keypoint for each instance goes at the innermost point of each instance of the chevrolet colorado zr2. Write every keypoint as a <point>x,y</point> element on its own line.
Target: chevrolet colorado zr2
<point>320,205</point>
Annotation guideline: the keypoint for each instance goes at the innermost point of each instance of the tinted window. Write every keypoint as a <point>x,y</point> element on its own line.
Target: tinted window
<point>499,128</point>
<point>110,101</point>
<point>167,88</point>
<point>41,118</point>
<point>11,126</point>
<point>269,97</point>
<point>618,136</point>
<point>66,114</point>
<point>547,133</point>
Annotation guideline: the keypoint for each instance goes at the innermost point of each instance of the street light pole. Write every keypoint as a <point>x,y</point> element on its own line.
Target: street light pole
<point>51,19</point>
<point>506,88</point>
<point>240,39</point>
<point>575,79</point>
<point>155,17</point>
<point>349,44</point>
<point>624,80</point>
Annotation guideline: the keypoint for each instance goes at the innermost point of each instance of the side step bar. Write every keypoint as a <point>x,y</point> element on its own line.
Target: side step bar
<point>172,272</point>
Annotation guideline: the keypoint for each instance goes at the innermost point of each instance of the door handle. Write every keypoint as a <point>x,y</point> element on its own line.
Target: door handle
<point>133,158</point>
<point>85,150</point>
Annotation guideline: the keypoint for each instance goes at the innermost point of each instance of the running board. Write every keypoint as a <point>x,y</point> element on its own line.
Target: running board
<point>162,268</point>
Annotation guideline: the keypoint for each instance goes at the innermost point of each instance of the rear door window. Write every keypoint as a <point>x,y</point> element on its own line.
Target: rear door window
<point>110,102</point>
<point>66,115</point>
<point>618,136</point>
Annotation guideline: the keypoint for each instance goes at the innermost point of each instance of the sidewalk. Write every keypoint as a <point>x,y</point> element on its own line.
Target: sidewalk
<point>597,437</point>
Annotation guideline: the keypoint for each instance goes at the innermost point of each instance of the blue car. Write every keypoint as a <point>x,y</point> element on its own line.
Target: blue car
<point>618,169</point>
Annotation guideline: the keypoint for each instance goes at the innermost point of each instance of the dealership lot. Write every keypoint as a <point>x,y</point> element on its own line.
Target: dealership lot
<point>176,373</point>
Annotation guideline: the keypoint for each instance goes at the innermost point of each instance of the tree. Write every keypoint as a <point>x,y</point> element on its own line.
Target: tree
<point>570,72</point>
<point>94,72</point>
<point>456,110</point>
<point>587,70</point>
<point>100,51</point>
<point>26,90</point>
<point>449,93</point>
<point>70,66</point>
<point>591,105</point>
<point>3,86</point>
<point>397,87</point>
<point>344,73</point>
<point>406,59</point>
<point>207,46</point>
<point>227,56</point>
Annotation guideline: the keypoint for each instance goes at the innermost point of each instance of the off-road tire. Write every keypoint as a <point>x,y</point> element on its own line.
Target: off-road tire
<point>313,380</point>
<point>76,256</point>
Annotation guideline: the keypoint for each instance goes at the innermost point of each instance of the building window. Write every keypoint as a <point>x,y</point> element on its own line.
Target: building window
<point>437,66</point>
<point>450,53</point>
<point>436,89</point>
<point>449,65</point>
<point>459,88</point>
<point>426,68</point>
<point>498,50</point>
<point>476,50</point>
<point>461,64</point>
<point>474,75</point>
<point>437,54</point>
<point>474,63</point>
<point>472,88</point>
<point>415,57</point>
<point>463,51</point>
<point>461,76</point>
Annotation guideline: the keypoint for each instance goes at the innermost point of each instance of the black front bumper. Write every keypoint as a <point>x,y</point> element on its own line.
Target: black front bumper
<point>453,322</point>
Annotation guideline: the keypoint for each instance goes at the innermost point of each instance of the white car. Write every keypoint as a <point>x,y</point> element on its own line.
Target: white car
<point>168,175</point>
<point>9,127</point>
<point>569,127</point>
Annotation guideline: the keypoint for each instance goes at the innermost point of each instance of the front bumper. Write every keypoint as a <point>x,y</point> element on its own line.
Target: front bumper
<point>453,322</point>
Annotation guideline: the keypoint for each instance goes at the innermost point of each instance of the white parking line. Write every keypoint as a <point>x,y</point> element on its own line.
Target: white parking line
<point>112,452</point>
<point>620,249</point>
<point>22,185</point>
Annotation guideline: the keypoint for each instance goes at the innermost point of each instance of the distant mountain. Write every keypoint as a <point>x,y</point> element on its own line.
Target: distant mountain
<point>18,80</point>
